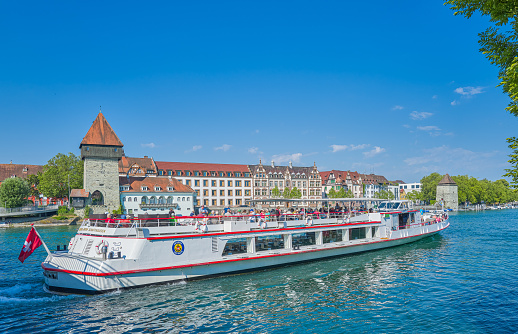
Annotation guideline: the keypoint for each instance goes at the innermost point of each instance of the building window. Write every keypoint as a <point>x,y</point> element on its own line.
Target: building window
<point>204,173</point>
<point>196,173</point>
<point>196,183</point>
<point>247,174</point>
<point>247,192</point>
<point>198,193</point>
<point>238,202</point>
<point>158,188</point>
<point>221,174</point>
<point>213,202</point>
<point>169,200</point>
<point>144,188</point>
<point>205,183</point>
<point>205,202</point>
<point>238,183</point>
<point>222,202</point>
<point>205,192</point>
<point>229,174</point>
<point>187,182</point>
<point>213,192</point>
<point>229,202</point>
<point>230,193</point>
<point>221,183</point>
<point>170,188</point>
<point>247,183</point>
<point>213,183</point>
<point>160,172</point>
<point>222,192</point>
<point>238,192</point>
<point>229,183</point>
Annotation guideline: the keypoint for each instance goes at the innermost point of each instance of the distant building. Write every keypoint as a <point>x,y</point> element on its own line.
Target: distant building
<point>373,184</point>
<point>155,195</point>
<point>138,167</point>
<point>406,188</point>
<point>267,177</point>
<point>337,180</point>
<point>448,193</point>
<point>216,185</point>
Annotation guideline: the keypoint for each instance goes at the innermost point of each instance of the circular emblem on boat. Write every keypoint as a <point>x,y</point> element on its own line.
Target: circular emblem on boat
<point>178,248</point>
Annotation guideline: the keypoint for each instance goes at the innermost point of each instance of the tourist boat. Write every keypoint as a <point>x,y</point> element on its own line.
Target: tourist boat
<point>107,255</point>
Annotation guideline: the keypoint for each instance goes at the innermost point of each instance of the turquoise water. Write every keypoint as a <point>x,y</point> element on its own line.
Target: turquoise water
<point>463,280</point>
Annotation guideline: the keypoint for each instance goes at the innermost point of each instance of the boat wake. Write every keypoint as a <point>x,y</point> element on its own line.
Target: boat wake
<point>24,293</point>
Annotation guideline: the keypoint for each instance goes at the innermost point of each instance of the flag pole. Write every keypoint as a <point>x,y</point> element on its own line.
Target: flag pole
<point>43,242</point>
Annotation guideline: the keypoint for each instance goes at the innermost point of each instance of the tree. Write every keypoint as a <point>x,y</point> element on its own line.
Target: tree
<point>384,194</point>
<point>14,192</point>
<point>276,193</point>
<point>54,181</point>
<point>295,193</point>
<point>33,181</point>
<point>429,187</point>
<point>349,194</point>
<point>500,46</point>
<point>286,193</point>
<point>341,193</point>
<point>513,172</point>
<point>331,193</point>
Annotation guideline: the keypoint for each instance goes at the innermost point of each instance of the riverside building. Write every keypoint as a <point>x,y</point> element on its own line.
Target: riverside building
<point>268,177</point>
<point>216,185</point>
<point>347,180</point>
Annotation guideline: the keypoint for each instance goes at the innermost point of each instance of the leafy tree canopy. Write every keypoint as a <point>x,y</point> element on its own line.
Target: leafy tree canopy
<point>276,193</point>
<point>14,192</point>
<point>499,43</point>
<point>332,193</point>
<point>295,193</point>
<point>54,181</point>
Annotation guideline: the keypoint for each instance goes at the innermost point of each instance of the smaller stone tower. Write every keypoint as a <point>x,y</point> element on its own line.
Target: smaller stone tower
<point>101,151</point>
<point>447,191</point>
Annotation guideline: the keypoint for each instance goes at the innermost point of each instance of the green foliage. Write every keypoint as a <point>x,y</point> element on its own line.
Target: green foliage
<point>413,196</point>
<point>295,193</point>
<point>332,193</point>
<point>119,211</point>
<point>470,190</point>
<point>513,172</point>
<point>499,43</point>
<point>88,210</point>
<point>14,192</point>
<point>429,187</point>
<point>33,181</point>
<point>286,193</point>
<point>62,210</point>
<point>276,193</point>
<point>54,181</point>
<point>384,194</point>
<point>341,193</point>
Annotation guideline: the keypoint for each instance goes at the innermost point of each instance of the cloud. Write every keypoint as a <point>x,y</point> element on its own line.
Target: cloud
<point>397,108</point>
<point>454,102</point>
<point>224,148</point>
<point>150,145</point>
<point>352,147</point>
<point>469,91</point>
<point>196,147</point>
<point>338,148</point>
<point>377,150</point>
<point>434,97</point>
<point>428,128</point>
<point>253,150</point>
<point>283,158</point>
<point>416,115</point>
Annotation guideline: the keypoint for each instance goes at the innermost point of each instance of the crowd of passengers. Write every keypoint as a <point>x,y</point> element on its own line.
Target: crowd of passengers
<point>217,216</point>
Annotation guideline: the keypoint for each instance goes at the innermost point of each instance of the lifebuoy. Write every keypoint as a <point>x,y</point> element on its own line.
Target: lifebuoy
<point>263,225</point>
<point>99,246</point>
<point>309,222</point>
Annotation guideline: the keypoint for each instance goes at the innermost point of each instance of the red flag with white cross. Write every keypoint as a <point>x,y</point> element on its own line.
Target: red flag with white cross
<point>32,242</point>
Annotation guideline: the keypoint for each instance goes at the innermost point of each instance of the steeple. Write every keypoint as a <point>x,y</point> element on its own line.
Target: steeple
<point>101,133</point>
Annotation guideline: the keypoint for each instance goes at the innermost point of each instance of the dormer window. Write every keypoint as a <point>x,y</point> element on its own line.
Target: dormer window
<point>144,188</point>
<point>157,188</point>
<point>170,188</point>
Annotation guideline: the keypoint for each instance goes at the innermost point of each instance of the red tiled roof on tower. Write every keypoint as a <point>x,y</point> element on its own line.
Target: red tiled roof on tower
<point>447,180</point>
<point>101,133</point>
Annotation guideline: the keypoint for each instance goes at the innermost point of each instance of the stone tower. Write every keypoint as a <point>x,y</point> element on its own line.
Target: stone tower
<point>101,151</point>
<point>447,191</point>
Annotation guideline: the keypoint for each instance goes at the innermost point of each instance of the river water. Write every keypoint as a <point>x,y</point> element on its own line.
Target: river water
<point>462,280</point>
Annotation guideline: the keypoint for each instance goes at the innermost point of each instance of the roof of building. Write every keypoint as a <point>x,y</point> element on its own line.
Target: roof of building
<point>283,169</point>
<point>136,184</point>
<point>198,166</point>
<point>79,193</point>
<point>340,176</point>
<point>101,133</point>
<point>18,170</point>
<point>447,180</point>
<point>374,179</point>
<point>128,165</point>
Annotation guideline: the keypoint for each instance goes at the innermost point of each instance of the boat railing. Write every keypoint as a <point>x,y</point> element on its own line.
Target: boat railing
<point>139,222</point>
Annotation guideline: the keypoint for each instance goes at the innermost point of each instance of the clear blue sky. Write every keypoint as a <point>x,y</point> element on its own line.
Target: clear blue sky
<point>397,88</point>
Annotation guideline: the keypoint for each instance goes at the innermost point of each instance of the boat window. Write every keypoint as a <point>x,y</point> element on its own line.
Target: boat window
<point>269,242</point>
<point>332,236</point>
<point>235,246</point>
<point>304,239</point>
<point>357,233</point>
